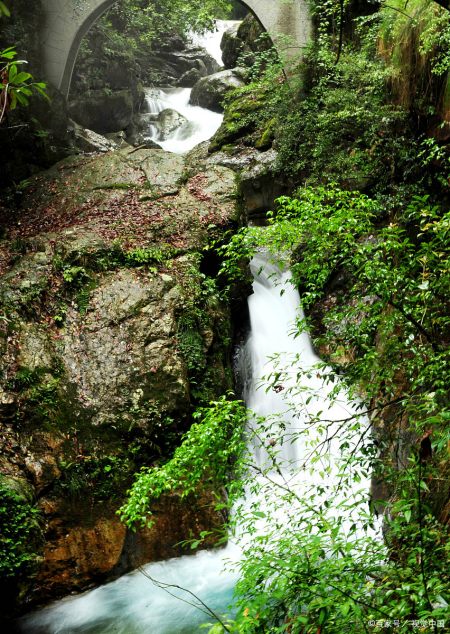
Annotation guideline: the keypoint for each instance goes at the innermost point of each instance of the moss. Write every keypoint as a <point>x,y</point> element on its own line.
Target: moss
<point>266,139</point>
<point>99,477</point>
<point>245,113</point>
<point>114,186</point>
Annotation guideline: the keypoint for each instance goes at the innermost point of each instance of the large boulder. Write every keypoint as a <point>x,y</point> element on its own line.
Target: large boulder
<point>102,111</point>
<point>163,67</point>
<point>86,140</point>
<point>210,91</point>
<point>168,122</point>
<point>231,46</point>
<point>109,339</point>
<point>190,78</point>
<point>242,40</point>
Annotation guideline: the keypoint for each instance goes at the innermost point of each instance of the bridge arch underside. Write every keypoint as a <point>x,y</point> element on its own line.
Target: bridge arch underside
<point>287,23</point>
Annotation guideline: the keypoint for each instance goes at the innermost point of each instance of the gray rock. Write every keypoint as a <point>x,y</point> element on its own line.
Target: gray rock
<point>89,141</point>
<point>163,170</point>
<point>243,38</point>
<point>112,376</point>
<point>210,91</point>
<point>103,112</point>
<point>122,355</point>
<point>166,67</point>
<point>119,138</point>
<point>231,46</point>
<point>190,78</point>
<point>168,121</point>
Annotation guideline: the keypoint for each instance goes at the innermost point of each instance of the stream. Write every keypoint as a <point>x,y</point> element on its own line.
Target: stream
<point>133,604</point>
<point>201,124</point>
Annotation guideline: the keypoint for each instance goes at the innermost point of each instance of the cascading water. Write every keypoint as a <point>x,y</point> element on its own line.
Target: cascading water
<point>201,124</point>
<point>211,40</point>
<point>132,604</point>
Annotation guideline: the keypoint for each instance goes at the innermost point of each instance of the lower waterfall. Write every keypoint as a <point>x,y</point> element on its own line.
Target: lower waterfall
<point>132,604</point>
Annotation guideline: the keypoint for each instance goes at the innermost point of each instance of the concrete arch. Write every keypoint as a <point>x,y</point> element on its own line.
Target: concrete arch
<point>66,22</point>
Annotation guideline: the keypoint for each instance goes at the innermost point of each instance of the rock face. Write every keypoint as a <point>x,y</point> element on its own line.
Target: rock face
<point>110,334</point>
<point>89,141</point>
<point>210,91</point>
<point>167,67</point>
<point>189,78</point>
<point>104,112</point>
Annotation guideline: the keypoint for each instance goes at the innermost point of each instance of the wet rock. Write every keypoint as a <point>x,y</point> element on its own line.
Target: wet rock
<point>118,138</point>
<point>140,141</point>
<point>231,46</point>
<point>103,112</point>
<point>168,122</point>
<point>198,58</point>
<point>129,329</point>
<point>89,141</point>
<point>167,67</point>
<point>260,180</point>
<point>210,91</point>
<point>242,41</point>
<point>94,382</point>
<point>190,78</point>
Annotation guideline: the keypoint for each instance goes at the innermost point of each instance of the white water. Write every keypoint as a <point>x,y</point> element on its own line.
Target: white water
<point>201,126</point>
<point>132,604</point>
<point>211,41</point>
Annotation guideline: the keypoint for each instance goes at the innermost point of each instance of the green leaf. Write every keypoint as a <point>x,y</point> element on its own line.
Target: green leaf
<point>22,77</point>
<point>8,54</point>
<point>345,608</point>
<point>12,72</point>
<point>4,9</point>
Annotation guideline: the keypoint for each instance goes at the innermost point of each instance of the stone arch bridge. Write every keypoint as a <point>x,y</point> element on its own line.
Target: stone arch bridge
<point>66,22</point>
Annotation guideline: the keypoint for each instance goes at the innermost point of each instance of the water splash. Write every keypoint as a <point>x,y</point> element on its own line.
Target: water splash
<point>201,123</point>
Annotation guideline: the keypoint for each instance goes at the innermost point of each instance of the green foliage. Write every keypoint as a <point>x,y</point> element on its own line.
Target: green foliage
<point>16,85</point>
<point>74,275</point>
<point>251,109</point>
<point>198,316</point>
<point>209,456</point>
<point>396,285</point>
<point>343,129</point>
<point>190,343</point>
<point>101,478</point>
<point>19,534</point>
<point>149,255</point>
<point>421,28</point>
<point>390,318</point>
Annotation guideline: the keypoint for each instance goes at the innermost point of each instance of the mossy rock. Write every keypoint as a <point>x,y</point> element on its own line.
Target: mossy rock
<point>244,115</point>
<point>267,137</point>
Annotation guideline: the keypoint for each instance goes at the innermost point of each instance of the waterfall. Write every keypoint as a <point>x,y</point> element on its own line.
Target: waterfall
<point>211,41</point>
<point>132,604</point>
<point>200,124</point>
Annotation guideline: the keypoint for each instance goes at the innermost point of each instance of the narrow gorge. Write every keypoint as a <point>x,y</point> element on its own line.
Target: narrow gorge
<point>224,320</point>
